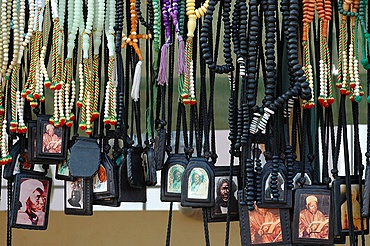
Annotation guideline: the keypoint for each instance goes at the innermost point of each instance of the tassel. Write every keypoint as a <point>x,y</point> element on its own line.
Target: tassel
<point>162,73</point>
<point>181,64</point>
<point>135,91</point>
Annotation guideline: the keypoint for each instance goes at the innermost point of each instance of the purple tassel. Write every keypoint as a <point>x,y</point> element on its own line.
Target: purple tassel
<point>162,73</point>
<point>181,64</point>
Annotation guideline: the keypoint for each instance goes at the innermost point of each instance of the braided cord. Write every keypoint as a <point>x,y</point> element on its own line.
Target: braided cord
<point>96,86</point>
<point>54,53</point>
<point>188,58</point>
<point>342,38</point>
<point>13,98</point>
<point>205,225</point>
<point>169,225</point>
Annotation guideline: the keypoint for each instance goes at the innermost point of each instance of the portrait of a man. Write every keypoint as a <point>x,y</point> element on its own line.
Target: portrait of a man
<point>312,222</point>
<point>356,208</point>
<point>174,178</point>
<point>198,183</point>
<point>75,192</point>
<point>265,226</point>
<point>32,198</point>
<point>224,193</point>
<point>51,142</point>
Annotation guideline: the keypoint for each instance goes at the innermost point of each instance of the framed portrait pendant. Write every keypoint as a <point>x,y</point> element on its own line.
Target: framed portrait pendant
<point>264,226</point>
<point>313,215</point>
<point>275,192</point>
<point>341,227</point>
<point>197,185</point>
<point>30,209</point>
<point>51,140</point>
<point>105,180</point>
<point>226,197</point>
<point>172,173</point>
<point>78,196</point>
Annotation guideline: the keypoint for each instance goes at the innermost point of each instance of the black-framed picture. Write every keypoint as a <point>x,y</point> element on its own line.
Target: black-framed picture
<point>341,209</point>
<point>32,155</point>
<point>105,181</point>
<point>51,141</point>
<point>275,192</point>
<point>78,196</point>
<point>264,226</point>
<point>226,197</point>
<point>312,218</point>
<point>62,169</point>
<point>22,168</point>
<point>31,202</point>
<point>197,184</point>
<point>171,177</point>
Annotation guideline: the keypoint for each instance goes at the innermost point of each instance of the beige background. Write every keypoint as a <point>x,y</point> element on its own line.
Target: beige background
<point>120,228</point>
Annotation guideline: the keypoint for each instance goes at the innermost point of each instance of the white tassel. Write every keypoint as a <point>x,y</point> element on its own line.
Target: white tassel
<point>136,84</point>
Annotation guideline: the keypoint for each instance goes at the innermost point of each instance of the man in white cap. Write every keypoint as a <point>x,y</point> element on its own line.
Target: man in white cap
<point>33,200</point>
<point>312,222</point>
<point>51,143</point>
<point>198,187</point>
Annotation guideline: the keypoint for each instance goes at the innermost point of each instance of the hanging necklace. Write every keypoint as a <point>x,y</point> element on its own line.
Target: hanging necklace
<point>97,36</point>
<point>133,40</point>
<point>348,61</point>
<point>206,26</point>
<point>193,14</point>
<point>308,16</point>
<point>110,116</point>
<point>299,85</point>
<point>326,91</point>
<point>17,103</point>
<point>33,89</point>
<point>73,21</point>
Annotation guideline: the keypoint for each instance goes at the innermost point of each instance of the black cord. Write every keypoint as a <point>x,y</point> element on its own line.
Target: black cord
<point>169,225</point>
<point>9,217</point>
<point>347,171</point>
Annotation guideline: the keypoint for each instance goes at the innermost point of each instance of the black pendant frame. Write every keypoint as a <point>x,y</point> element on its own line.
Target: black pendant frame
<point>105,181</point>
<point>22,215</point>
<point>170,186</point>
<point>135,170</point>
<point>216,213</point>
<point>55,149</point>
<point>197,185</point>
<point>285,194</point>
<point>316,232</point>
<point>340,208</point>
<point>126,192</point>
<point>78,196</point>
<point>275,231</point>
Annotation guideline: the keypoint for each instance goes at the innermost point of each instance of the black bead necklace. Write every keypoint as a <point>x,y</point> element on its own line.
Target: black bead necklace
<point>149,25</point>
<point>269,10</point>
<point>300,85</point>
<point>205,35</point>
